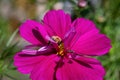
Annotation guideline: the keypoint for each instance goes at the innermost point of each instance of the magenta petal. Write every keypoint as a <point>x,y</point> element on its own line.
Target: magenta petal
<point>92,43</point>
<point>28,52</point>
<point>26,64</point>
<point>33,32</point>
<point>57,22</point>
<point>78,70</point>
<point>45,70</point>
<point>42,50</point>
<point>82,26</point>
<point>69,36</point>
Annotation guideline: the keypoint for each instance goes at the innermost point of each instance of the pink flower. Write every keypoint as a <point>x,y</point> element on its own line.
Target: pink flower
<point>82,3</point>
<point>61,49</point>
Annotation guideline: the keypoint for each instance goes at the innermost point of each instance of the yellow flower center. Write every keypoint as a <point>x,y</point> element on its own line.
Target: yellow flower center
<point>58,40</point>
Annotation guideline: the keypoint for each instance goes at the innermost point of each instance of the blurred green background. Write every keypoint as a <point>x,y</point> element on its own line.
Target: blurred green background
<point>105,13</point>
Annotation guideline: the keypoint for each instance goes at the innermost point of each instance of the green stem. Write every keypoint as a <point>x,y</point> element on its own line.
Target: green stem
<point>12,37</point>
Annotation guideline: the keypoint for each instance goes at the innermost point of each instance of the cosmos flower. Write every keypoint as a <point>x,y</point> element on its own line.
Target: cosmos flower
<point>61,49</point>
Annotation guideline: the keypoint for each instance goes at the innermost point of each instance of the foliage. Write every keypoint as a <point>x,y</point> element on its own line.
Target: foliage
<point>7,49</point>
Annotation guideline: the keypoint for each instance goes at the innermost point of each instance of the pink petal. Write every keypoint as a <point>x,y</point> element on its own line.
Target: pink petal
<point>69,36</point>
<point>42,50</point>
<point>57,22</point>
<point>46,69</point>
<point>82,26</point>
<point>92,43</point>
<point>79,70</point>
<point>33,32</point>
<point>26,64</point>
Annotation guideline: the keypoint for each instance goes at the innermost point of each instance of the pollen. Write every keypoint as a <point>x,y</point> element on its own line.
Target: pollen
<point>56,39</point>
<point>61,50</point>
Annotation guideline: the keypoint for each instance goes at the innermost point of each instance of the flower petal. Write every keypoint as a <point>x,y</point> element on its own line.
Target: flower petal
<point>82,26</point>
<point>57,22</point>
<point>79,70</point>
<point>69,36</point>
<point>92,43</point>
<point>33,32</point>
<point>42,50</point>
<point>26,64</point>
<point>45,70</point>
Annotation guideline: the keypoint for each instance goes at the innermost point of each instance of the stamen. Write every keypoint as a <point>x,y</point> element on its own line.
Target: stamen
<point>61,50</point>
<point>56,39</point>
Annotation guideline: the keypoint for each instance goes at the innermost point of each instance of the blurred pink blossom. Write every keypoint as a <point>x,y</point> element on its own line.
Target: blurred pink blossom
<point>82,3</point>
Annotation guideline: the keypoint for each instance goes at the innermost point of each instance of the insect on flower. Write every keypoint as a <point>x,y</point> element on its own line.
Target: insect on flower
<point>61,49</point>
